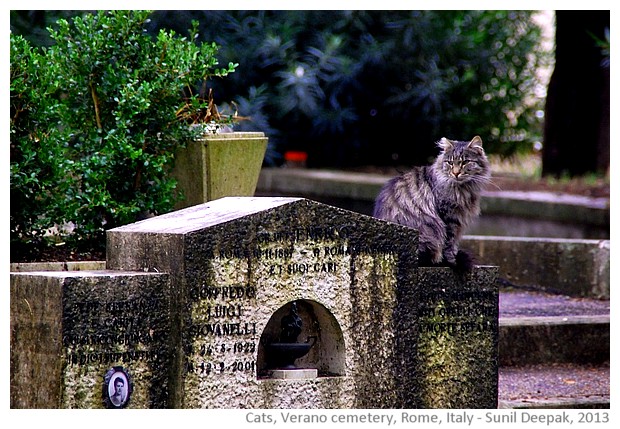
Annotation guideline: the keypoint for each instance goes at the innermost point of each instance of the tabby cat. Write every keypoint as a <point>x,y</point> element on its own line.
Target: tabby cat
<point>439,200</point>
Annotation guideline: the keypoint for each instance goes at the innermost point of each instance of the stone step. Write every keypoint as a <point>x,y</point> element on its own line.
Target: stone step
<point>537,340</point>
<point>507,212</point>
<point>554,351</point>
<point>575,267</point>
<point>540,328</point>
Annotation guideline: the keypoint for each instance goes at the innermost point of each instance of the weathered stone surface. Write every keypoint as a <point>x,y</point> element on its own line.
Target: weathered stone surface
<point>36,342</point>
<point>69,328</point>
<point>457,338</point>
<point>219,165</point>
<point>572,267</point>
<point>237,265</point>
<point>253,256</point>
<point>58,266</point>
<point>205,293</point>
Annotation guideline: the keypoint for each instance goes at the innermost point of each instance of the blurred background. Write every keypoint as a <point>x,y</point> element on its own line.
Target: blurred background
<point>360,88</point>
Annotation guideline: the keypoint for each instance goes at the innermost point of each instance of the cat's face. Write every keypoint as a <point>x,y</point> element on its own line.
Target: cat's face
<point>463,161</point>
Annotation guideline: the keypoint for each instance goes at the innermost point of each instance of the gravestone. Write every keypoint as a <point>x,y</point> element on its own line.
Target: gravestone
<point>70,329</point>
<point>278,303</point>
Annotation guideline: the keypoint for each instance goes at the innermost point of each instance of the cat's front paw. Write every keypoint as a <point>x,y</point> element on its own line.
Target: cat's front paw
<point>437,258</point>
<point>449,256</point>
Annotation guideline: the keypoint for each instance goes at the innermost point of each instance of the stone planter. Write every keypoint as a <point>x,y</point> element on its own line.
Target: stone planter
<point>219,165</point>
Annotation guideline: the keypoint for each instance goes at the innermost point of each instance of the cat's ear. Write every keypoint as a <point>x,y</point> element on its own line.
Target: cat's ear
<point>475,143</point>
<point>445,144</point>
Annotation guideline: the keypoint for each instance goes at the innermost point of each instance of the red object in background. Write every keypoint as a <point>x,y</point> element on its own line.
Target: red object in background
<point>295,158</point>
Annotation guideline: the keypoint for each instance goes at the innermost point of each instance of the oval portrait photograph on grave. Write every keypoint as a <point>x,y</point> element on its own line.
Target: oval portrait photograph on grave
<point>117,388</point>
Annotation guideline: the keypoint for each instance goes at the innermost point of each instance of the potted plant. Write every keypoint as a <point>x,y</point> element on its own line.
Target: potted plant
<point>217,161</point>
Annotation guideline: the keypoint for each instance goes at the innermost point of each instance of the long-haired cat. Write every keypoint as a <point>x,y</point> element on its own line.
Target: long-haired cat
<point>439,200</point>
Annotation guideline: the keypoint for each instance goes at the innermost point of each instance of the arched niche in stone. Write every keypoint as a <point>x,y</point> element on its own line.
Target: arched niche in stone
<point>319,327</point>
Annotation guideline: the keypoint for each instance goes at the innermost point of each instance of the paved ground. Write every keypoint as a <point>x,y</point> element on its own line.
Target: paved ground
<point>533,304</point>
<point>554,385</point>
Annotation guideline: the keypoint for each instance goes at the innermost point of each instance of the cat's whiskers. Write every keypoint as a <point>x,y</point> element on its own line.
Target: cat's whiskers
<point>491,182</point>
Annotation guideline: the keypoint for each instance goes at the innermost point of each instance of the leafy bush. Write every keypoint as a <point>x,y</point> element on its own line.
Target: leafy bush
<point>33,151</point>
<point>109,117</point>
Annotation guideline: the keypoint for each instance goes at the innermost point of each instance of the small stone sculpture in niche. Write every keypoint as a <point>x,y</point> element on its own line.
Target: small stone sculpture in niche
<point>284,354</point>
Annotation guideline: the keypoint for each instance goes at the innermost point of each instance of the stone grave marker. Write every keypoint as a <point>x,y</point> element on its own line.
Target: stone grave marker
<point>239,264</point>
<point>286,303</point>
<point>69,330</point>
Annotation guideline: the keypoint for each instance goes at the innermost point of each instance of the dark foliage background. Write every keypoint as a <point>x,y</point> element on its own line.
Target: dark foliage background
<point>368,87</point>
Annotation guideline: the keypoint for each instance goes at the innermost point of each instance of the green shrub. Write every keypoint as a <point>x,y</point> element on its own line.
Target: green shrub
<point>33,151</point>
<point>113,124</point>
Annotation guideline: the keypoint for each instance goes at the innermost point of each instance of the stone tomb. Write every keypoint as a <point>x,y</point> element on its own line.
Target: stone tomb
<point>214,298</point>
<point>69,329</point>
